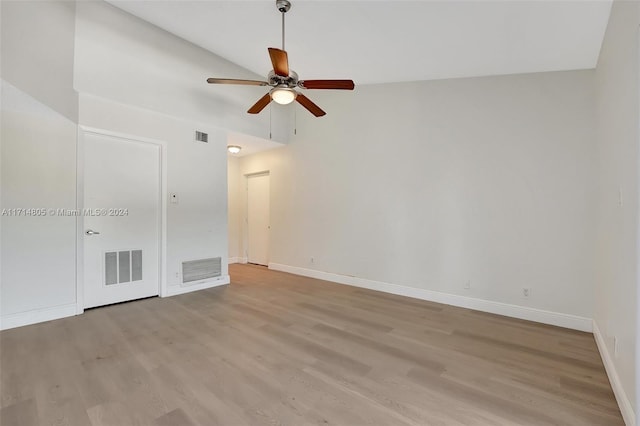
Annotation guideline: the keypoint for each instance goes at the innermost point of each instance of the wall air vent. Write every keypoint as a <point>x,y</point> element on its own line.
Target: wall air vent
<point>202,269</point>
<point>202,137</point>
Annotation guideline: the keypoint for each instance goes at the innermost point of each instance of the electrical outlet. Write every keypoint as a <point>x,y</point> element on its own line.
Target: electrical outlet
<point>177,274</point>
<point>526,292</point>
<point>311,260</point>
<point>615,346</point>
<point>467,285</point>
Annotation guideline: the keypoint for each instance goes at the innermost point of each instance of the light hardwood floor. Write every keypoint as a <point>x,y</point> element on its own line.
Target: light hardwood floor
<point>274,348</point>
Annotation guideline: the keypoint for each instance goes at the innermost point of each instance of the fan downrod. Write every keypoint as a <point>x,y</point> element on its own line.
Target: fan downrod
<point>283,5</point>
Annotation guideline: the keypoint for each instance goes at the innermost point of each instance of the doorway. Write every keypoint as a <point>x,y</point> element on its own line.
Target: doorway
<point>121,218</point>
<point>258,218</point>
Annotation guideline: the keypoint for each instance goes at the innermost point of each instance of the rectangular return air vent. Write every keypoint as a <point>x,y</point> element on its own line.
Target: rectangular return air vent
<point>202,269</point>
<point>122,266</point>
<point>202,137</point>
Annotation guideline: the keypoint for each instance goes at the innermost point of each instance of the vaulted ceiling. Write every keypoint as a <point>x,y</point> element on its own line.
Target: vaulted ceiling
<point>391,41</point>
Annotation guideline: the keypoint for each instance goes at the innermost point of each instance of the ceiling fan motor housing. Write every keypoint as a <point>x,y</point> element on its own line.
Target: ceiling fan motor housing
<point>278,80</point>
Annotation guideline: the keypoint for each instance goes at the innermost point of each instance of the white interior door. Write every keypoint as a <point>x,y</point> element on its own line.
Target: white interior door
<point>122,219</point>
<point>258,219</point>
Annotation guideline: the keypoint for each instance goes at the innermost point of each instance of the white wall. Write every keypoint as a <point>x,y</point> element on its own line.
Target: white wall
<point>37,41</point>
<point>122,58</point>
<point>38,137</point>
<point>136,78</point>
<point>235,212</point>
<point>38,171</point>
<point>428,185</point>
<point>617,92</point>
<point>133,78</point>
<point>196,172</point>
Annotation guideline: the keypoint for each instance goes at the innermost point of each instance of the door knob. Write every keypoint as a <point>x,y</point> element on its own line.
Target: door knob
<point>91,232</point>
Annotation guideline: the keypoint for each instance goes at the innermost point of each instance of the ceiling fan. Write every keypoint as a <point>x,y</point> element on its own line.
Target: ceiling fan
<point>284,80</point>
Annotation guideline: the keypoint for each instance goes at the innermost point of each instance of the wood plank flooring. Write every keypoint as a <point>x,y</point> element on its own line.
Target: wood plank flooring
<point>278,349</point>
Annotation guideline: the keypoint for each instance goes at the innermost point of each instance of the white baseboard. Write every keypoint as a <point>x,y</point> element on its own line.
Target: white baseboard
<point>522,312</point>
<point>176,289</point>
<point>47,314</point>
<point>38,315</point>
<point>621,396</point>
<point>237,260</point>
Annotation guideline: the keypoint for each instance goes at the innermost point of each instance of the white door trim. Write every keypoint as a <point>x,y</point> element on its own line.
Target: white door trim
<point>162,273</point>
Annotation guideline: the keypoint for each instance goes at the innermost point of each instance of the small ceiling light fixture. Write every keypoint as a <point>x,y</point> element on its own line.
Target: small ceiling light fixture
<point>234,149</point>
<point>283,95</point>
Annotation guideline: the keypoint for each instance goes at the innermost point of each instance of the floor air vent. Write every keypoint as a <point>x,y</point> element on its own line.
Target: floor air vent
<point>198,270</point>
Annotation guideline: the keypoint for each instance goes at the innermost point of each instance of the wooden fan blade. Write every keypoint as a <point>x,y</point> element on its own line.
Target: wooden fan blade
<point>280,61</point>
<point>327,84</point>
<point>313,108</point>
<point>236,81</point>
<point>259,106</point>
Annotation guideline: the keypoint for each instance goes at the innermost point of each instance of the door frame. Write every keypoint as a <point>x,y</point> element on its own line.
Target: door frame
<point>83,131</point>
<point>245,234</point>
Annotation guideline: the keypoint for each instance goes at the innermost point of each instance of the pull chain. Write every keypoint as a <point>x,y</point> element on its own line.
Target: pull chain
<point>295,119</point>
<point>270,122</point>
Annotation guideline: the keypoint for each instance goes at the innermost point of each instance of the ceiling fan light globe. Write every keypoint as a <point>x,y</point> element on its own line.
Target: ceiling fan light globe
<point>283,96</point>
